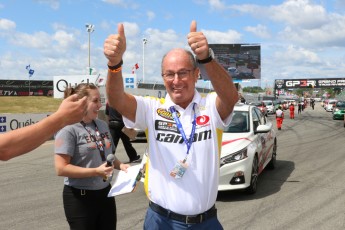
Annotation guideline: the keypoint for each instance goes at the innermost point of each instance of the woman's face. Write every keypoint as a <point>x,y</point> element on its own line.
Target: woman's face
<point>93,105</point>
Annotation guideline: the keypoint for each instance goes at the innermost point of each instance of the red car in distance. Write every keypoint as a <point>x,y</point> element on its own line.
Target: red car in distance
<point>262,106</point>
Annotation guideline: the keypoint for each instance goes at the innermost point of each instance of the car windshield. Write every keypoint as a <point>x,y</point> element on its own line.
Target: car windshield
<point>239,123</point>
<point>340,104</point>
<point>268,102</point>
<point>257,104</point>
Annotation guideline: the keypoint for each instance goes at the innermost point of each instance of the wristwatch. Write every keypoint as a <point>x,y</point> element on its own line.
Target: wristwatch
<point>209,59</point>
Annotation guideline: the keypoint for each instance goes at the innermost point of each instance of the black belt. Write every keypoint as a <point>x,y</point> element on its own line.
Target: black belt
<point>116,122</point>
<point>83,192</point>
<point>192,219</point>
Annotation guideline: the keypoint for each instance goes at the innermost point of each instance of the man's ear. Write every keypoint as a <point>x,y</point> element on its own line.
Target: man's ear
<point>197,74</point>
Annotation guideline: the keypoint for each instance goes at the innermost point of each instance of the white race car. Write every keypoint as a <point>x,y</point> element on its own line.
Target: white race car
<point>249,145</point>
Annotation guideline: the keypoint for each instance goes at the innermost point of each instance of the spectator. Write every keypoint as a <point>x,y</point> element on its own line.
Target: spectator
<point>116,125</point>
<point>81,152</point>
<point>292,111</point>
<point>184,132</point>
<point>279,117</point>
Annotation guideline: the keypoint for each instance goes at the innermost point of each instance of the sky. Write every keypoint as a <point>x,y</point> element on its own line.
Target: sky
<point>298,38</point>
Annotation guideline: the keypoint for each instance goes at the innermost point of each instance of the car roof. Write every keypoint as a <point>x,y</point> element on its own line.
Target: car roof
<point>242,107</point>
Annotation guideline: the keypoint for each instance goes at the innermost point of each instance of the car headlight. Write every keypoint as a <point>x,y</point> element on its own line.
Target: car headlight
<point>239,155</point>
<point>336,110</point>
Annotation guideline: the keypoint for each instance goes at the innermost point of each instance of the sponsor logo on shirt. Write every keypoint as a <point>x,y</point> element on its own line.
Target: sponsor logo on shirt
<point>166,126</point>
<point>166,114</point>
<point>176,138</point>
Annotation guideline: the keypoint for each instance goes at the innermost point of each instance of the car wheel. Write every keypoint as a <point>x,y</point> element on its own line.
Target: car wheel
<point>272,163</point>
<point>254,177</point>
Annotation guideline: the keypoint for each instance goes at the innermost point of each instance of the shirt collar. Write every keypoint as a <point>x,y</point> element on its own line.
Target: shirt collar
<point>196,99</point>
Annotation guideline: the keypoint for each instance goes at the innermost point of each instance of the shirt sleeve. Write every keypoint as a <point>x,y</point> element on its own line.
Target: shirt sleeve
<point>65,142</point>
<point>140,116</point>
<point>211,97</point>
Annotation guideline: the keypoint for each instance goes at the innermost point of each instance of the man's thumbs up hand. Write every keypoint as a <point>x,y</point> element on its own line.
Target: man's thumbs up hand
<point>115,46</point>
<point>198,42</point>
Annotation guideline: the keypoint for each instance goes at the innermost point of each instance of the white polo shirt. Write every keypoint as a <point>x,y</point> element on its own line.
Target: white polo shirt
<point>196,191</point>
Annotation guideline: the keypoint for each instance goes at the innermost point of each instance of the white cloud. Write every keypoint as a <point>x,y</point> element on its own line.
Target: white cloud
<point>6,24</point>
<point>301,22</point>
<point>228,37</point>
<point>36,40</point>
<point>64,40</point>
<point>54,4</point>
<point>330,34</point>
<point>131,29</point>
<point>301,14</point>
<point>106,26</point>
<point>150,15</point>
<point>216,4</point>
<point>115,2</point>
<point>297,56</point>
<point>259,30</point>
<point>123,3</point>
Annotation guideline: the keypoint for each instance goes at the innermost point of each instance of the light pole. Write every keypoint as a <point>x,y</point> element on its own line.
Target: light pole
<point>144,43</point>
<point>89,29</point>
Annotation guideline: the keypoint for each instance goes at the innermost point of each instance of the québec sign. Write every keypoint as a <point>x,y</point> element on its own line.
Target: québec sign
<point>62,82</point>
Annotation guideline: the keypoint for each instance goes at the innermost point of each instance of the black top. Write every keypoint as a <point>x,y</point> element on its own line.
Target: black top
<point>113,114</point>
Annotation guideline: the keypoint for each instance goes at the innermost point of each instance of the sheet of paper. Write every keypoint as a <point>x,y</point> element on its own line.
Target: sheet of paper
<point>124,182</point>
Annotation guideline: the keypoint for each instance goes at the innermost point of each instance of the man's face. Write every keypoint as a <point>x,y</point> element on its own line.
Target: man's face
<point>179,77</point>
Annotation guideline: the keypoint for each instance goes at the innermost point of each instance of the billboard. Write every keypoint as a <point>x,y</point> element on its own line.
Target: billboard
<point>62,82</point>
<point>309,83</point>
<point>242,61</point>
<point>10,122</point>
<point>26,88</point>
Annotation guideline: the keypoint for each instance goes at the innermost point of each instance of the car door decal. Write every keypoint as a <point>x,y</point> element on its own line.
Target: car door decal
<point>230,141</point>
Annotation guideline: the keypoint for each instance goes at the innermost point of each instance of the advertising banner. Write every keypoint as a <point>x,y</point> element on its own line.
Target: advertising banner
<point>26,88</point>
<point>62,82</point>
<point>10,122</point>
<point>309,83</point>
<point>242,61</point>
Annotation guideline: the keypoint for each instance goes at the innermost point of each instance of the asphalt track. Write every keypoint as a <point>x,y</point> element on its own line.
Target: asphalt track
<point>305,191</point>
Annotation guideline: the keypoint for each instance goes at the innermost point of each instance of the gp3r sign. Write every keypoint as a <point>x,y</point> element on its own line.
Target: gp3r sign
<point>300,83</point>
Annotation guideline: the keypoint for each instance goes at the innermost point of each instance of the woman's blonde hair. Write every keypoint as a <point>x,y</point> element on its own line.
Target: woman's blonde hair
<point>81,90</point>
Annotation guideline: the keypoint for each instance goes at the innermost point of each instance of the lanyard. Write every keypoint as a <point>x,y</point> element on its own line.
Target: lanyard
<point>179,126</point>
<point>98,139</point>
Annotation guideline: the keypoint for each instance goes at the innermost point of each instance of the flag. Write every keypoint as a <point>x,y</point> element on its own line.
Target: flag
<point>100,81</point>
<point>135,67</point>
<point>2,128</point>
<point>30,71</point>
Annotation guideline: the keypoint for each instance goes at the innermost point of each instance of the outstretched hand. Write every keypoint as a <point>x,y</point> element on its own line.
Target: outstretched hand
<point>198,42</point>
<point>115,46</point>
<point>72,110</point>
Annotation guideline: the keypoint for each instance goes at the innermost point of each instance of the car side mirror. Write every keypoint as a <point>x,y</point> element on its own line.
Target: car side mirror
<point>263,129</point>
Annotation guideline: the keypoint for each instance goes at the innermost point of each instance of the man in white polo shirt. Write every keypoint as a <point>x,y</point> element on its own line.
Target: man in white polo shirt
<point>184,132</point>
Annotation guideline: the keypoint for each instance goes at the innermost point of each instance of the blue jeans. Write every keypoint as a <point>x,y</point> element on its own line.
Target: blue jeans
<point>155,221</point>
